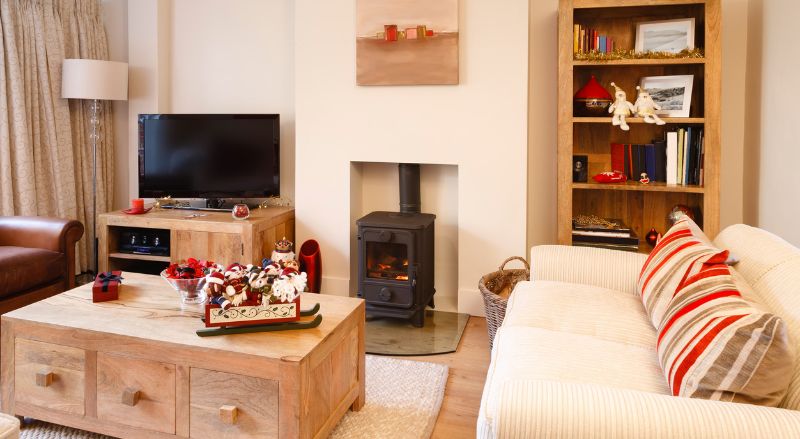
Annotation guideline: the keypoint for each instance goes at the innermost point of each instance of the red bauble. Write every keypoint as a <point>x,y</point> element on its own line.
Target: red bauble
<point>652,237</point>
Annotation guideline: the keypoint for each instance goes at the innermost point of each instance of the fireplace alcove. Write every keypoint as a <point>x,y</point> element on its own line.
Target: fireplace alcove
<point>375,188</point>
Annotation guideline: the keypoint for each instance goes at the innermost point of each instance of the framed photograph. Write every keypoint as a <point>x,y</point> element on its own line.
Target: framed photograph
<point>670,36</point>
<point>672,93</point>
<point>580,168</point>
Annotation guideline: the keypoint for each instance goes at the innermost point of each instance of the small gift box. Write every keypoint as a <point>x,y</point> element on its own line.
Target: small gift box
<point>106,286</point>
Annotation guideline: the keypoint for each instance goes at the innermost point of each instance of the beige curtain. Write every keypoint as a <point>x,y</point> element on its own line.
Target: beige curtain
<point>45,152</point>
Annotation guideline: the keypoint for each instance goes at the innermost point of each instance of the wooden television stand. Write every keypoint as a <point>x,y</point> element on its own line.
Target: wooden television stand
<point>207,235</point>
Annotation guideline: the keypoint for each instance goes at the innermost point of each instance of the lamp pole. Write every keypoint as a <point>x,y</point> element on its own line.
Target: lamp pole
<point>94,120</point>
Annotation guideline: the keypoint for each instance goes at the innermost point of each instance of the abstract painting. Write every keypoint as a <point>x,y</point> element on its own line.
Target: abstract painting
<point>406,42</point>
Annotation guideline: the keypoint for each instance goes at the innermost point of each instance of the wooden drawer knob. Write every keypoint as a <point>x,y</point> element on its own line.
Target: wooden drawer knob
<point>44,378</point>
<point>228,414</point>
<point>130,396</point>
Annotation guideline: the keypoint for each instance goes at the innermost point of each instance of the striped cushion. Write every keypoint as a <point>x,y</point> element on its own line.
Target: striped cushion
<point>712,344</point>
<point>668,261</point>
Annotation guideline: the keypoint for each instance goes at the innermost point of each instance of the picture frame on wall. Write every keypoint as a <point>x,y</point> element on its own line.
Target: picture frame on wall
<point>672,93</point>
<point>672,36</point>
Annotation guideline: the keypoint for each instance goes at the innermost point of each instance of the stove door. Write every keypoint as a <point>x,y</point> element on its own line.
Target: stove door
<point>387,257</point>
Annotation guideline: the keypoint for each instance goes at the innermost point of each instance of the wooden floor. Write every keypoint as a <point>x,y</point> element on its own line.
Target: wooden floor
<point>462,397</point>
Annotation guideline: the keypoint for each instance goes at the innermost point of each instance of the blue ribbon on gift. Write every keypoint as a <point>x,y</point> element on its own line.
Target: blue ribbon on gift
<point>106,278</point>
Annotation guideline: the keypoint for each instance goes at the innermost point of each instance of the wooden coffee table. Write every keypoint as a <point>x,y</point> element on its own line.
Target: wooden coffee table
<point>135,367</point>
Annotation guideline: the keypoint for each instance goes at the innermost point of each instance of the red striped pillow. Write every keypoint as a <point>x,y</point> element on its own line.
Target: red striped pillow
<point>661,273</point>
<point>712,344</point>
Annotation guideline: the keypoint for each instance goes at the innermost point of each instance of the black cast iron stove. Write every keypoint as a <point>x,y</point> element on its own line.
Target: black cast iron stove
<point>395,256</point>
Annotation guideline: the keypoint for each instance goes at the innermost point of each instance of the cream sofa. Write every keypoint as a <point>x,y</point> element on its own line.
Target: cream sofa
<point>575,356</point>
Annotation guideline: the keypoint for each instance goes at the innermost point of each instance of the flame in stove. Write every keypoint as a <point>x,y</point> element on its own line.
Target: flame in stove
<point>401,277</point>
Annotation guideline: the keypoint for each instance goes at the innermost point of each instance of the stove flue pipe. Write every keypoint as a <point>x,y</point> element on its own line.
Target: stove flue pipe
<point>409,188</point>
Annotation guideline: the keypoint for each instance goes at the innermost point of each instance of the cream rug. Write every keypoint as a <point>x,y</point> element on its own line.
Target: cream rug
<point>403,400</point>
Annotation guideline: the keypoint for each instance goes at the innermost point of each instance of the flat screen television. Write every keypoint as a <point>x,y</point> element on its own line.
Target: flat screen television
<point>209,155</point>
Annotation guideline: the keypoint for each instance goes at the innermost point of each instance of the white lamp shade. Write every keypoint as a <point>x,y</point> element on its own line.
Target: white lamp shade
<point>94,79</point>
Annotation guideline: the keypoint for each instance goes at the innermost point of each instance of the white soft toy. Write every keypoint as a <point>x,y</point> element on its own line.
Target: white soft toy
<point>646,107</point>
<point>287,288</point>
<point>621,108</point>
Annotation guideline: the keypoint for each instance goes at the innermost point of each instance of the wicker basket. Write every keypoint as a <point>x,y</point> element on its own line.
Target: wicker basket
<point>495,288</point>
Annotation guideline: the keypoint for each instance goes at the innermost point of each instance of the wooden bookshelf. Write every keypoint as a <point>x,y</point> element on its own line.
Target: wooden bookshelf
<point>640,206</point>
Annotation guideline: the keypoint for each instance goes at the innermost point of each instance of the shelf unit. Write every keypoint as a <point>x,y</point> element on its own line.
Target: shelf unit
<point>640,206</point>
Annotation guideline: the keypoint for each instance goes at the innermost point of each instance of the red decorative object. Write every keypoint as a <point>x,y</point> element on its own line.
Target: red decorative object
<point>610,177</point>
<point>652,237</point>
<point>137,212</point>
<point>240,212</point>
<point>592,100</point>
<point>390,32</point>
<point>106,286</point>
<point>428,33</point>
<point>311,262</point>
<point>191,269</point>
<point>137,204</point>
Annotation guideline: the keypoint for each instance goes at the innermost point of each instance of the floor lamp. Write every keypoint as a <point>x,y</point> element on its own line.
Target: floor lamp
<point>95,80</point>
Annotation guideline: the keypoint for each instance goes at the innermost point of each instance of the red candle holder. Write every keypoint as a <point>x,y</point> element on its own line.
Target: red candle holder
<point>240,212</point>
<point>137,204</point>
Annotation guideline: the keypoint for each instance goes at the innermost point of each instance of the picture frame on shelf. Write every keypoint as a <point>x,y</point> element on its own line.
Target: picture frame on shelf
<point>672,93</point>
<point>580,168</point>
<point>672,36</point>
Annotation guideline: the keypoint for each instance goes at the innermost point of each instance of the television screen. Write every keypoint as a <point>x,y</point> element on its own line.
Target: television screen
<point>209,155</point>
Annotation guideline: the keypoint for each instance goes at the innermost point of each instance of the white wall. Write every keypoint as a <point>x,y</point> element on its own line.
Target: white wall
<point>213,56</point>
<point>115,18</point>
<point>771,178</point>
<point>236,57</point>
<point>148,72</point>
<point>479,125</point>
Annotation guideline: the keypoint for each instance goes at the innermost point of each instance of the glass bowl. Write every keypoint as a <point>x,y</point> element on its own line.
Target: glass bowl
<point>189,290</point>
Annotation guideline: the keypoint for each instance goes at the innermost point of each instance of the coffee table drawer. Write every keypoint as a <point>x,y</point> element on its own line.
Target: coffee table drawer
<point>136,392</point>
<point>230,405</point>
<point>49,375</point>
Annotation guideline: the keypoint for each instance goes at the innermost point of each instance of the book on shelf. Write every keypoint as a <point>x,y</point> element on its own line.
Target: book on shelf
<point>617,157</point>
<point>679,169</point>
<point>622,247</point>
<point>660,151</point>
<point>597,239</point>
<point>586,40</point>
<point>675,159</point>
<point>597,224</point>
<point>608,233</point>
<point>650,160</point>
<point>590,230</point>
<point>672,158</point>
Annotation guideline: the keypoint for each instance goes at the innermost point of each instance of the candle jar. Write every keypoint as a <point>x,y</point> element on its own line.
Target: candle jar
<point>240,212</point>
<point>137,204</point>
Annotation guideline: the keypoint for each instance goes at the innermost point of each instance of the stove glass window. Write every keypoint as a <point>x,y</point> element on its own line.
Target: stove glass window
<point>387,261</point>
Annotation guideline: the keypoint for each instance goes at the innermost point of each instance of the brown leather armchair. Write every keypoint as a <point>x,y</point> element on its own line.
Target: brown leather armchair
<point>37,258</point>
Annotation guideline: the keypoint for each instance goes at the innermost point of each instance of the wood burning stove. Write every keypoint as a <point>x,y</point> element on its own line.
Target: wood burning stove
<point>395,256</point>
